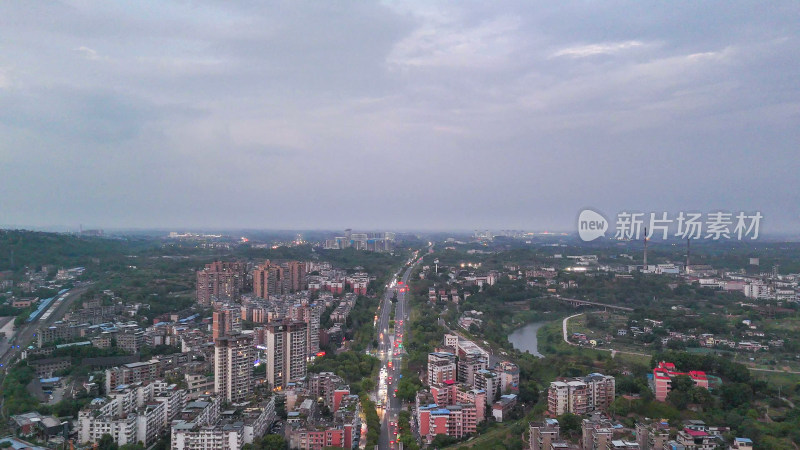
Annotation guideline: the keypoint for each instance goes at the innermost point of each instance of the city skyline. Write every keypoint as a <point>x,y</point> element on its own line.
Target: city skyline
<point>395,116</point>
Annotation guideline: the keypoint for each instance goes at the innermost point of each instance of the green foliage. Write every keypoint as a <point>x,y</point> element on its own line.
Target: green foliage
<point>359,323</point>
<point>368,384</point>
<point>353,367</point>
<point>443,440</point>
<point>680,398</point>
<point>569,423</point>
<point>77,353</point>
<point>408,386</point>
<point>280,407</point>
<point>269,442</point>
<point>148,352</point>
<point>137,446</point>
<point>106,442</point>
<point>17,399</point>
<point>406,437</point>
<point>373,422</point>
<point>424,333</point>
<point>645,408</point>
<point>682,383</point>
<point>34,249</point>
<point>734,395</point>
<point>375,263</point>
<point>70,406</point>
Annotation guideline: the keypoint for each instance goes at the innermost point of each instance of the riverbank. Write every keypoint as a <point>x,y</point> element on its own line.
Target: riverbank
<point>525,338</point>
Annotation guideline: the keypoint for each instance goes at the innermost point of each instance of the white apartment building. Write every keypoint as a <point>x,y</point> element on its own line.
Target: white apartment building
<point>131,414</point>
<point>233,367</point>
<point>286,352</point>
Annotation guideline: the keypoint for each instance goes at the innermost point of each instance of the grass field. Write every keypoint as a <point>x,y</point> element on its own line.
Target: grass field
<point>787,381</point>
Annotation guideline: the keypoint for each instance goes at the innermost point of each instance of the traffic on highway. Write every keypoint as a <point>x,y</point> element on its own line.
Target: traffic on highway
<point>391,330</point>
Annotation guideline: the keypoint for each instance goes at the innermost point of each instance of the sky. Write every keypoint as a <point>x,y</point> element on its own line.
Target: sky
<point>395,115</point>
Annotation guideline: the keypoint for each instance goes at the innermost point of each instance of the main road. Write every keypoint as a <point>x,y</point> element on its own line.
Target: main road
<point>390,348</point>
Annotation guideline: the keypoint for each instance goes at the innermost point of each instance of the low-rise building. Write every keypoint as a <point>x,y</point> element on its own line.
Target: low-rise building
<point>33,424</point>
<point>132,373</point>
<point>441,367</point>
<point>694,439</point>
<point>543,434</point>
<point>453,420</point>
<point>45,367</point>
<point>502,407</point>
<point>131,413</point>
<point>307,431</point>
<point>653,435</point>
<point>662,379</point>
<point>740,443</point>
<point>597,432</point>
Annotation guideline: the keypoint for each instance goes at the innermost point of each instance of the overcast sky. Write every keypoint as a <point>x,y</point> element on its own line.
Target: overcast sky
<point>396,115</point>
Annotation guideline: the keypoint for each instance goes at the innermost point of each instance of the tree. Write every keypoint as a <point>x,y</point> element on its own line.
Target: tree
<point>107,443</point>
<point>682,383</point>
<point>681,393</point>
<point>280,406</point>
<point>529,391</point>
<point>569,423</point>
<point>679,398</point>
<point>367,384</point>
<point>273,442</point>
<point>137,446</point>
<point>442,441</point>
<point>735,394</point>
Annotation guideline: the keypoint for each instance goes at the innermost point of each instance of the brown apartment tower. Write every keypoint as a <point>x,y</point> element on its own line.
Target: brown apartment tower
<point>277,279</point>
<point>222,323</point>
<point>220,279</point>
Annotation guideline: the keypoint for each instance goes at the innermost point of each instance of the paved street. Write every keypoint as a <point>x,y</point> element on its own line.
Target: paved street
<point>390,350</point>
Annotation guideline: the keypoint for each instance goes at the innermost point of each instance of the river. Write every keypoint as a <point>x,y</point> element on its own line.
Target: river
<point>524,339</point>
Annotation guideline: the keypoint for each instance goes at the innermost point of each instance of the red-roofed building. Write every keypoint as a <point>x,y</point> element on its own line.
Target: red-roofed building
<point>662,379</point>
<point>696,439</point>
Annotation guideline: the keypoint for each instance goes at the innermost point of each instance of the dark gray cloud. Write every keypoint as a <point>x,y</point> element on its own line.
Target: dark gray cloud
<point>395,114</point>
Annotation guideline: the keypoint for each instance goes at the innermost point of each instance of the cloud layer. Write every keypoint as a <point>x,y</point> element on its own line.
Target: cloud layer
<point>407,115</point>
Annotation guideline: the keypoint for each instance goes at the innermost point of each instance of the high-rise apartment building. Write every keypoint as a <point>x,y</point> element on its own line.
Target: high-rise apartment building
<point>469,365</point>
<point>220,279</point>
<point>221,323</point>
<point>278,279</point>
<point>287,351</point>
<point>267,280</point>
<point>233,367</point>
<point>594,392</point>
<point>312,315</point>
<point>296,275</point>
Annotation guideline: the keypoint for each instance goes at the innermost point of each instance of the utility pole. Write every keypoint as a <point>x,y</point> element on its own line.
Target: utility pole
<point>644,265</point>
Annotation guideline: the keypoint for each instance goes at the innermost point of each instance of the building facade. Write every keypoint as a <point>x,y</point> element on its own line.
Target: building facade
<point>233,367</point>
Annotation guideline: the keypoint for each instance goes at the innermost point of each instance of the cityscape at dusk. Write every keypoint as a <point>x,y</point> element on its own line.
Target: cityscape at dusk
<point>377,225</point>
